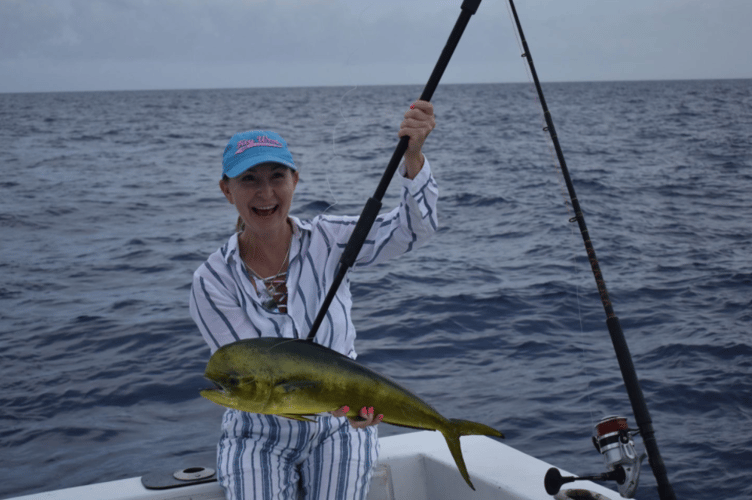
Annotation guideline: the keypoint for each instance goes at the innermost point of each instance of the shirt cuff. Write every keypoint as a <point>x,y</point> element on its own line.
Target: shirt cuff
<point>414,186</point>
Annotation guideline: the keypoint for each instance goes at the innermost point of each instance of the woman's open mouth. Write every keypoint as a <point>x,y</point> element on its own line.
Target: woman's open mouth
<point>265,211</point>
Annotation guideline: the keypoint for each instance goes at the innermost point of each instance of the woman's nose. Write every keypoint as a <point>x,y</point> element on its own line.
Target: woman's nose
<point>264,188</point>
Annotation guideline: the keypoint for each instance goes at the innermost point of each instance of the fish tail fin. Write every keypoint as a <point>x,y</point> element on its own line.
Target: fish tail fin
<point>468,428</point>
<point>452,433</point>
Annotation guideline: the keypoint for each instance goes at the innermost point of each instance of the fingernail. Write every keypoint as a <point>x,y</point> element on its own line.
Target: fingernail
<point>412,106</point>
<point>370,410</point>
<point>364,410</point>
<point>345,409</point>
<point>380,417</point>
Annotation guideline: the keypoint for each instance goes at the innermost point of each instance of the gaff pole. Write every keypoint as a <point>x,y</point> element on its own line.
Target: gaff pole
<point>373,205</point>
<point>636,397</point>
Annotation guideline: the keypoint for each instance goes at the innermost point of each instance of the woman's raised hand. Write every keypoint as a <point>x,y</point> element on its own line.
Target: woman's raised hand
<point>418,123</point>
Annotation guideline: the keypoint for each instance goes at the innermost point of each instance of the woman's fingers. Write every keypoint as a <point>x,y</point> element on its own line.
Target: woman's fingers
<point>368,418</point>
<point>341,412</point>
<point>418,123</point>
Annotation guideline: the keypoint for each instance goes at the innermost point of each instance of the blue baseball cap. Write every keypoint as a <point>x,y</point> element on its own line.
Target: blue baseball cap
<point>248,149</point>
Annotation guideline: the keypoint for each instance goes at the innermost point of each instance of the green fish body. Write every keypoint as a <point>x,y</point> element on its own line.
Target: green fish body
<point>296,379</point>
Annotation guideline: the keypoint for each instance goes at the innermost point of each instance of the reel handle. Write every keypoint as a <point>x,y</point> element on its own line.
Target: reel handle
<point>554,480</point>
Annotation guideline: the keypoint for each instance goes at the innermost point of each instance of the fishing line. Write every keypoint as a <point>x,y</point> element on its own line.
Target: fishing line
<point>336,155</point>
<point>626,365</point>
<point>374,203</point>
<point>350,55</point>
<point>563,192</point>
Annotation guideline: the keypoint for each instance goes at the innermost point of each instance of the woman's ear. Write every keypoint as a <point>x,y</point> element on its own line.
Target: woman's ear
<point>224,186</point>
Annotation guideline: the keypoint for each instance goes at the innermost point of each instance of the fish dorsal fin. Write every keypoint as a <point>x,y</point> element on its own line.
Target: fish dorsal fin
<point>281,343</point>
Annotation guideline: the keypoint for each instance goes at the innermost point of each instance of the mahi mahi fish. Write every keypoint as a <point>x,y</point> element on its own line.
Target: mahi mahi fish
<point>298,379</point>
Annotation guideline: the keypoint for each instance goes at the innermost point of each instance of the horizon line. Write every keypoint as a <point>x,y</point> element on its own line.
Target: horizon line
<point>266,87</point>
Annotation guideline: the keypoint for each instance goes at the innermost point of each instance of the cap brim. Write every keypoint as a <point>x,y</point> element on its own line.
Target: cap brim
<point>242,166</point>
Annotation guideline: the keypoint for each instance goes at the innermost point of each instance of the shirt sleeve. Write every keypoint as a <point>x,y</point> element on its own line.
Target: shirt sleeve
<point>215,307</point>
<point>402,229</point>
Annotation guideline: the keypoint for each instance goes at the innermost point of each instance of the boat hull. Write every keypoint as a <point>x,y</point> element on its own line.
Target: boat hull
<point>412,466</point>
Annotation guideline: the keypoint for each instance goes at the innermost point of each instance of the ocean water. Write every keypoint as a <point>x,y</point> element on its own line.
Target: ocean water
<point>109,201</point>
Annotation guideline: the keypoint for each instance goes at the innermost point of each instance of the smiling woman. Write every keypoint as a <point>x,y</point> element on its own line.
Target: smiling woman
<point>269,280</point>
<point>278,179</point>
<point>263,195</point>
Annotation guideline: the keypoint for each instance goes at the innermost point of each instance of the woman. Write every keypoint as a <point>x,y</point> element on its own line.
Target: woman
<point>269,279</point>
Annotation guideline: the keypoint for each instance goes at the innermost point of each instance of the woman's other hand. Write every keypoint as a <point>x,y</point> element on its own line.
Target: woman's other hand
<point>367,417</point>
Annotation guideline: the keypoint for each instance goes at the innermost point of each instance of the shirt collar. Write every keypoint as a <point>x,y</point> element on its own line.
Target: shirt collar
<point>231,248</point>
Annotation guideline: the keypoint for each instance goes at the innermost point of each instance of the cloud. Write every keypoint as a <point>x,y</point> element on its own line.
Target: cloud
<point>120,44</point>
<point>221,29</point>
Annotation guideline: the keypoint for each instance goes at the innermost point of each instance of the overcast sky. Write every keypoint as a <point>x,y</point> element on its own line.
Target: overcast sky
<point>63,45</point>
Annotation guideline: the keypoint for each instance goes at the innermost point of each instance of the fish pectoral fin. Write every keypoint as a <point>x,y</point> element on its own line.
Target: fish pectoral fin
<point>296,385</point>
<point>302,418</point>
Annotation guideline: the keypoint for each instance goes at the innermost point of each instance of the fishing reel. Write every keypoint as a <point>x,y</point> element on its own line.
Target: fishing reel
<point>613,439</point>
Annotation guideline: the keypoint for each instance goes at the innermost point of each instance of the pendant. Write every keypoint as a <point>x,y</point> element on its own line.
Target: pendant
<point>270,305</point>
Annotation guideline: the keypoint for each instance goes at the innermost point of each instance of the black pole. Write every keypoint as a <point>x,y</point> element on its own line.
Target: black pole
<point>373,205</point>
<point>636,397</point>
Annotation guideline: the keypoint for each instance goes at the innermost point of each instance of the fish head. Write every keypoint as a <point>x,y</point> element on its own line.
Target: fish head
<point>238,382</point>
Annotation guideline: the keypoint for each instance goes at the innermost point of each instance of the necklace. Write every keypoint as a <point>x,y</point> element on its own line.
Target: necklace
<point>276,285</point>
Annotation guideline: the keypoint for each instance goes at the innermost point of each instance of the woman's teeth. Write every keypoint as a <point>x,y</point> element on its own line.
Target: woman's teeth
<point>265,211</point>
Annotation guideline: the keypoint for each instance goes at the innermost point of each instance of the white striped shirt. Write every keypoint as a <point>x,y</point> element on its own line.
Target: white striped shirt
<point>226,307</point>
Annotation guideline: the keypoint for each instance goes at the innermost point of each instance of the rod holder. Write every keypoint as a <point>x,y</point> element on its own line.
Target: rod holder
<point>553,480</point>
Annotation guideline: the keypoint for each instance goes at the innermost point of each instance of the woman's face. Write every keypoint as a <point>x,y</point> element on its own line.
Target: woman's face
<point>262,196</point>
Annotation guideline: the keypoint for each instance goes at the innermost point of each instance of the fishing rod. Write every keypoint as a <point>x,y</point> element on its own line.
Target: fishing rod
<point>636,397</point>
<point>373,205</point>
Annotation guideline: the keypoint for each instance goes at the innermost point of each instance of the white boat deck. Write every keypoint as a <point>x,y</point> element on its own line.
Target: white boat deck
<point>413,466</point>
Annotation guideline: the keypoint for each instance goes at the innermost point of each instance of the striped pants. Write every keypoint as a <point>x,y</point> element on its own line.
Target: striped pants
<point>264,457</point>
